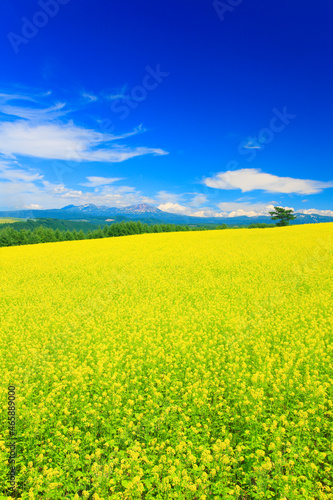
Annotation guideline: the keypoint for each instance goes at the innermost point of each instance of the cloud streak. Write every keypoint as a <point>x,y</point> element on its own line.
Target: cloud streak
<point>100,181</point>
<point>38,132</point>
<point>15,106</point>
<point>66,142</point>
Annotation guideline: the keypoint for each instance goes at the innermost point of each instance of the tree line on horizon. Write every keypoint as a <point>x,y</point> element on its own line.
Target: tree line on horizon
<point>13,237</point>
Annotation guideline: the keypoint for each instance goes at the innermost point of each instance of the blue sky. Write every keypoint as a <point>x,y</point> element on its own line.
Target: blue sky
<point>203,107</point>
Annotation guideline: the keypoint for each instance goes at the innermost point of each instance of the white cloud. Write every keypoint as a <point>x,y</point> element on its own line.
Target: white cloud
<point>249,179</point>
<point>15,105</point>
<point>16,194</point>
<point>237,209</point>
<point>32,131</point>
<point>167,197</point>
<point>226,209</point>
<point>206,212</point>
<point>65,142</point>
<point>100,181</point>
<point>175,208</point>
<point>4,97</point>
<point>174,203</point>
<point>33,207</point>
<point>230,206</point>
<point>310,211</point>
<point>10,173</point>
<point>198,200</point>
<point>35,113</point>
<point>35,133</point>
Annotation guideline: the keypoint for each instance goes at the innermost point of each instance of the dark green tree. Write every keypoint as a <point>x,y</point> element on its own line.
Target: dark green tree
<point>69,235</point>
<point>81,235</point>
<point>282,215</point>
<point>34,238</point>
<point>57,235</point>
<point>99,232</point>
<point>49,235</point>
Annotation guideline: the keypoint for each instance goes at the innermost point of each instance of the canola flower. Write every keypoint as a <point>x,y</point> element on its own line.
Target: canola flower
<point>171,366</point>
<point>8,220</point>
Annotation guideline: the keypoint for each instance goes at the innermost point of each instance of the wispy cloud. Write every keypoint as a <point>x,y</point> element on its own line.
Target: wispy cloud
<point>89,97</point>
<point>251,146</point>
<point>5,96</point>
<point>15,105</point>
<point>250,179</point>
<point>33,206</point>
<point>34,113</point>
<point>100,181</point>
<point>198,200</point>
<point>13,173</point>
<point>167,197</point>
<point>64,142</point>
<point>40,131</point>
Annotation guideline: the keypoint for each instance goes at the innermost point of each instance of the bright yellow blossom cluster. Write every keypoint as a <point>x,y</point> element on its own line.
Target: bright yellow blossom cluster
<point>195,365</point>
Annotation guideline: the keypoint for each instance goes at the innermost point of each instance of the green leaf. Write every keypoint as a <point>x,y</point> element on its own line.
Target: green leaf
<point>147,482</point>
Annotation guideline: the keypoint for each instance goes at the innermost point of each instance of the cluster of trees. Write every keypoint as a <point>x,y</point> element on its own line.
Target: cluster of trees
<point>13,237</point>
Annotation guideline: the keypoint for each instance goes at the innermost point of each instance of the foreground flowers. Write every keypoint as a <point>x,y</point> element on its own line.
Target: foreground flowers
<point>176,365</point>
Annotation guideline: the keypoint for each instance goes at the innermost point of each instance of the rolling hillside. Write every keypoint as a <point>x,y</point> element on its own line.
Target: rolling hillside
<point>134,359</point>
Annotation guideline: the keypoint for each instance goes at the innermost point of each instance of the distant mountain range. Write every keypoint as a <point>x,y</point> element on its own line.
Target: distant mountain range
<point>145,211</point>
<point>104,210</point>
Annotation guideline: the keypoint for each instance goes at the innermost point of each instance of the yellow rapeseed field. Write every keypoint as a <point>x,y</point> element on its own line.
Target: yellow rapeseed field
<point>193,365</point>
<point>8,220</point>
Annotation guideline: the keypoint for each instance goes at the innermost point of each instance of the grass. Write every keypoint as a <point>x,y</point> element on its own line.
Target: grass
<point>171,366</point>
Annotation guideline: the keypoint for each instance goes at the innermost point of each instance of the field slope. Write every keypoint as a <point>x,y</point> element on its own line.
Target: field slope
<point>8,220</point>
<point>175,365</point>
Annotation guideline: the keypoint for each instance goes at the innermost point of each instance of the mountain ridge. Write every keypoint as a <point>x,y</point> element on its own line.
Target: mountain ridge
<point>132,209</point>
